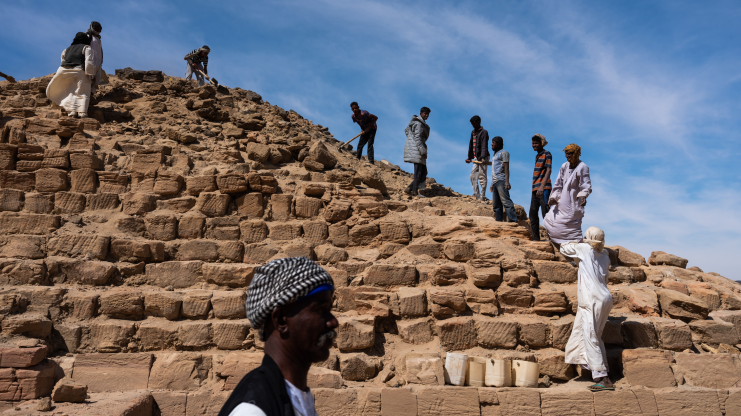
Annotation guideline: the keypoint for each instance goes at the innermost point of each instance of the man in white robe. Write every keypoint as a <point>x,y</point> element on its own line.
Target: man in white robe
<point>568,198</point>
<point>94,34</point>
<point>585,346</point>
<point>70,87</point>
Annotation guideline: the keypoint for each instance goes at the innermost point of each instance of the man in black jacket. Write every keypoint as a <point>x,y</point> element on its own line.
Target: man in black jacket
<point>289,302</point>
<point>478,153</point>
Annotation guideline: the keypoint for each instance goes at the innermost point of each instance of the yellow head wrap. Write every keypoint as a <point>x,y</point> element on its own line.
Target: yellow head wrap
<point>575,156</point>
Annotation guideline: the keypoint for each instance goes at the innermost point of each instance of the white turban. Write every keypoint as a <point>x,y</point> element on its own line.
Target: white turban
<point>595,237</point>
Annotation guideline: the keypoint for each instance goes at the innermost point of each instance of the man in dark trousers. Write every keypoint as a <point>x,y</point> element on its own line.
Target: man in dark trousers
<point>367,123</point>
<point>478,153</point>
<point>415,150</point>
<point>198,64</point>
<point>541,183</point>
<point>289,302</point>
<point>500,182</point>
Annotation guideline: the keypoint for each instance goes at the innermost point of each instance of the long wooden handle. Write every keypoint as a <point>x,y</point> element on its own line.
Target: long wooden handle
<point>348,142</point>
<point>478,162</point>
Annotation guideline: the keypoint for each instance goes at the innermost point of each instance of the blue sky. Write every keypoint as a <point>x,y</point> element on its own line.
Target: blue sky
<point>648,89</point>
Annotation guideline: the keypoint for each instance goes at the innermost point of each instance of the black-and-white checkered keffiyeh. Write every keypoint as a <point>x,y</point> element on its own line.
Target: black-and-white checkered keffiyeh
<point>280,283</point>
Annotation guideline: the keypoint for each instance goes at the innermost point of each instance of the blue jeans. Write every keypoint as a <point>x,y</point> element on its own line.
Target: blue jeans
<point>500,197</point>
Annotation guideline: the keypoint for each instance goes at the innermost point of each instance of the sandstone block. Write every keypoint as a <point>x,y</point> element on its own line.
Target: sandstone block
<point>386,275</point>
<point>639,332</point>
<point>230,335</point>
<point>320,377</point>
<point>51,180</point>
<point>446,301</point>
<point>518,401</point>
<point>447,400</point>
<point>157,334</point>
<point>122,304</point>
<point>191,227</point>
<point>104,201</point>
<point>23,246</point>
<point>196,304</point>
<point>458,250</point>
<point>232,183</point>
<point>162,226</point>
<point>84,304</point>
<point>195,335</point>
<point>179,371</point>
<point>561,331</point>
<point>229,305</point>
<point>678,306</point>
<point>673,334</point>
<point>358,366</point>
<point>197,184</point>
<point>650,368</point>
<point>339,235</point>
<point>284,231</point>
<point>39,203</point>
<point>569,402</point>
<point>330,254</point>
<point>307,207</point>
<point>496,332</point>
<point>83,181</point>
<point>250,205</point>
<point>74,245</point>
<point>21,357</point>
<point>163,304</point>
<point>554,272</point>
<point>412,301</point>
<point>281,205</point>
<point>236,365</point>
<point>259,253</point>
<point>135,251</point>
<point>456,333</point>
<point>398,402</point>
<point>36,381</point>
<point>448,274</point>
<point>713,332</point>
<point>138,203</point>
<point>213,204</point>
<point>112,182</point>
<point>355,333</point>
<point>713,371</point>
<point>661,258</point>
<point>178,274</point>
<point>69,202</point>
<point>95,273</point>
<point>167,183</point>
<point>22,181</point>
<point>363,234</point>
<point>337,210</point>
<point>113,372</point>
<point>687,402</point>
<point>415,331</point>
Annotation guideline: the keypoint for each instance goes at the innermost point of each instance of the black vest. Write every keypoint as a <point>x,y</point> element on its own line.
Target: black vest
<point>265,388</point>
<point>74,56</point>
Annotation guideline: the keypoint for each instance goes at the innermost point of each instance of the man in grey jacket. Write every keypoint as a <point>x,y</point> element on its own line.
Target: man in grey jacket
<point>415,149</point>
<point>478,153</point>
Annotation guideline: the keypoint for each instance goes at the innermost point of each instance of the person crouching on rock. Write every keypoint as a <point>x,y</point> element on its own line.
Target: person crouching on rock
<point>478,151</point>
<point>368,127</point>
<point>585,346</point>
<point>70,87</point>
<point>568,198</point>
<point>198,64</point>
<point>289,302</point>
<point>415,149</point>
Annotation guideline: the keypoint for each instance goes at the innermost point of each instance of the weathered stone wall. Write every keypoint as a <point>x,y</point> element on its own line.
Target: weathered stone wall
<point>128,241</point>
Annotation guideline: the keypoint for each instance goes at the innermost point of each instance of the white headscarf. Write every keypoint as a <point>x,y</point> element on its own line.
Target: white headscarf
<point>595,237</point>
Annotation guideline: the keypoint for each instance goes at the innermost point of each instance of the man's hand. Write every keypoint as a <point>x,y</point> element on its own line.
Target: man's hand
<point>491,189</point>
<point>539,191</point>
<point>468,160</point>
<point>507,185</point>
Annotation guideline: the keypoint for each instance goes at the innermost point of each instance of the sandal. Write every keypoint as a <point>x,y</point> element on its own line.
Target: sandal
<point>599,387</point>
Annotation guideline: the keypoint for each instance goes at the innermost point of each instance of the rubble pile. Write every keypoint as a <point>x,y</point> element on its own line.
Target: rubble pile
<point>128,240</point>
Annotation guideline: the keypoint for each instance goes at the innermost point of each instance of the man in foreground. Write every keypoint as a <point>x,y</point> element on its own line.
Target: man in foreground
<point>415,149</point>
<point>289,302</point>
<point>478,152</point>
<point>500,181</point>
<point>585,346</point>
<point>569,196</point>
<point>541,184</point>
<point>198,64</point>
<point>367,123</point>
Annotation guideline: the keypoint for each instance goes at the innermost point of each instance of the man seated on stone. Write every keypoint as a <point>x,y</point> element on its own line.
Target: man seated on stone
<point>585,346</point>
<point>289,302</point>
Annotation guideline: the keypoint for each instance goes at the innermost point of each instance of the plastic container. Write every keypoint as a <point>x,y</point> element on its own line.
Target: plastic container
<point>498,373</point>
<point>475,374</point>
<point>525,373</point>
<point>455,368</point>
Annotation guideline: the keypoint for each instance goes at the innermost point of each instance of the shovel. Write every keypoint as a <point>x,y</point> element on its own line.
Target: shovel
<point>348,142</point>
<point>212,80</point>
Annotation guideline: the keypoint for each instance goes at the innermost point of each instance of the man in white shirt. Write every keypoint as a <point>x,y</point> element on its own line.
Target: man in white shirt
<point>289,302</point>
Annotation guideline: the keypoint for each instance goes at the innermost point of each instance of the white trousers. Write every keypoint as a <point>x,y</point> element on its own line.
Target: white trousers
<point>595,374</point>
<point>478,180</point>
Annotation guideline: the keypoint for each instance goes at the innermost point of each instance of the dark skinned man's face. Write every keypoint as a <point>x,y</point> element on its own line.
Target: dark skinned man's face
<point>537,146</point>
<point>311,326</point>
<point>355,110</point>
<point>476,124</point>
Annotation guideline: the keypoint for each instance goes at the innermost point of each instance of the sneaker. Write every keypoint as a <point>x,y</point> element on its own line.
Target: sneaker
<point>83,115</point>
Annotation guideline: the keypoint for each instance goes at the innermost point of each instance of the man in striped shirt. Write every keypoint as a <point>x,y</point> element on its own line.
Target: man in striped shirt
<point>541,183</point>
<point>198,60</point>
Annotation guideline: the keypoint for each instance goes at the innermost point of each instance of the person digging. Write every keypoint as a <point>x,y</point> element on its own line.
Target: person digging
<point>198,65</point>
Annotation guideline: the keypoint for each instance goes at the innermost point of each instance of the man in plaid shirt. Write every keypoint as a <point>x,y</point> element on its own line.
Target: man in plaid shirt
<point>198,60</point>
<point>541,184</point>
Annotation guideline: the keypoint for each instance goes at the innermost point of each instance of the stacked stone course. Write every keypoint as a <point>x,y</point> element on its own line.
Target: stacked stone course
<point>128,241</point>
